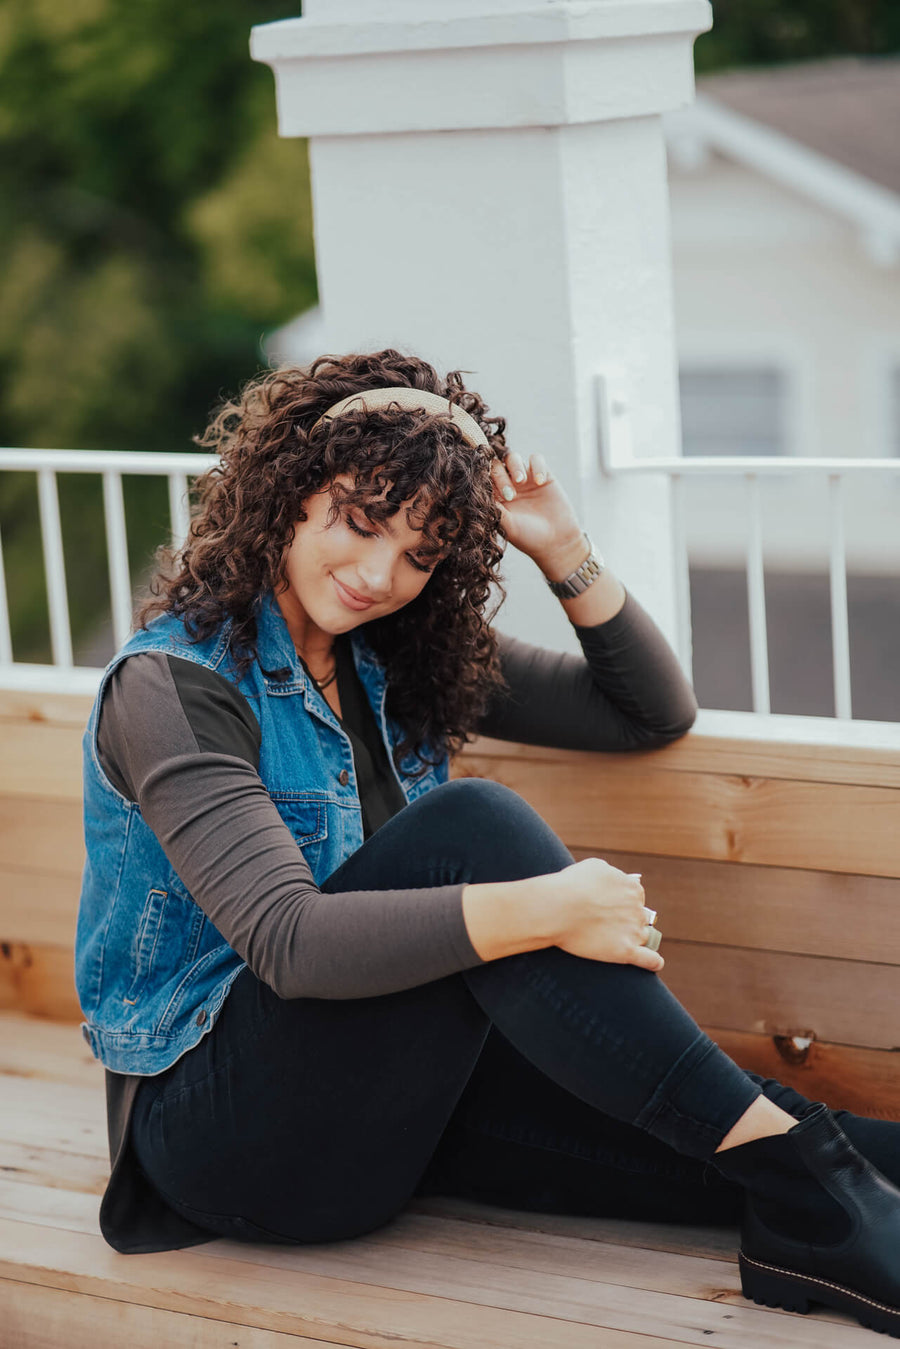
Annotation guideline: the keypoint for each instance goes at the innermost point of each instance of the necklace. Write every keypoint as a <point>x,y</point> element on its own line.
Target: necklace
<point>319,683</point>
<point>323,683</point>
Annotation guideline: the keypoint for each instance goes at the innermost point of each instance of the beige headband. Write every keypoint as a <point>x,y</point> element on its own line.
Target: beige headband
<point>416,400</point>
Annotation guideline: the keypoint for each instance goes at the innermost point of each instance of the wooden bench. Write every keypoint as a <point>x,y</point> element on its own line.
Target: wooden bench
<point>773,866</point>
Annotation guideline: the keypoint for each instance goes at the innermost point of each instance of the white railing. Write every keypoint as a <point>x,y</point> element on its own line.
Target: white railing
<point>62,675</point>
<point>110,465</point>
<point>753,470</point>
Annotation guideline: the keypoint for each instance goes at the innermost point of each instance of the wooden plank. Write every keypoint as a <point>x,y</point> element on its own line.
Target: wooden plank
<point>41,760</point>
<point>34,1317</point>
<point>815,749</point>
<point>461,1284</point>
<point>287,1300</point>
<point>866,1081</point>
<point>61,709</point>
<point>38,909</point>
<point>843,1001</point>
<point>637,808</point>
<point>53,1050</point>
<point>30,1164</point>
<point>42,836</point>
<point>713,1243</point>
<point>769,908</point>
<point>802,748</point>
<point>39,980</point>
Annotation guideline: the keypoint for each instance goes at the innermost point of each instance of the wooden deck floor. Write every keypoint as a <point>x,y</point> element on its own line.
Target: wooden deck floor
<point>445,1274</point>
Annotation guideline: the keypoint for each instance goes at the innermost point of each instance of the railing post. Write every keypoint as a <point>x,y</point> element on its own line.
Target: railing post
<point>6,651</point>
<point>840,620</point>
<point>490,191</point>
<point>55,568</point>
<point>756,601</point>
<point>117,556</point>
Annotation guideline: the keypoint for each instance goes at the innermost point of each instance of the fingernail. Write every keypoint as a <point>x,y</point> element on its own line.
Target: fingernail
<point>540,479</point>
<point>508,493</point>
<point>520,476</point>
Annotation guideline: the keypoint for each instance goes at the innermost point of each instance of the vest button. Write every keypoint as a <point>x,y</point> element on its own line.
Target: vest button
<point>343,777</point>
<point>201,1018</point>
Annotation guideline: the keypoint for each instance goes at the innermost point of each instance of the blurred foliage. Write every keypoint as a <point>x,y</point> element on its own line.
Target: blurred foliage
<point>767,32</point>
<point>154,227</point>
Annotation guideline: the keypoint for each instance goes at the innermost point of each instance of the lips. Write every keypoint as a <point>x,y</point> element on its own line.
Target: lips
<point>350,597</point>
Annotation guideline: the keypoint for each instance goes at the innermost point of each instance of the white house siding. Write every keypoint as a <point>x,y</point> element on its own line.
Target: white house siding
<point>763,277</point>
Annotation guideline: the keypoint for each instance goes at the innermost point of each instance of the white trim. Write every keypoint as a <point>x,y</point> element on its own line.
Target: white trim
<point>782,729</point>
<point>143,462</point>
<point>22,678</point>
<point>874,210</point>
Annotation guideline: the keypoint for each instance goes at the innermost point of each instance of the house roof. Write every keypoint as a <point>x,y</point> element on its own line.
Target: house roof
<point>846,109</point>
<point>827,130</point>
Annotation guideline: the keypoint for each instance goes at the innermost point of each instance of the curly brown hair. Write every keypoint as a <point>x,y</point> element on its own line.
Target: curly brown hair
<point>439,652</point>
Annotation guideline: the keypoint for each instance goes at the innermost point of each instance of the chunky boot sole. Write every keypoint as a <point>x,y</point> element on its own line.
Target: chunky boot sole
<point>774,1287</point>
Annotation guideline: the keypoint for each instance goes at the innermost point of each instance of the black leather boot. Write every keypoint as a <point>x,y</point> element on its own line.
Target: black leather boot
<point>877,1139</point>
<point>821,1224</point>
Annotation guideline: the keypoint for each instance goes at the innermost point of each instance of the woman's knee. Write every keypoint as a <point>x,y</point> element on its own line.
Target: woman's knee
<point>496,827</point>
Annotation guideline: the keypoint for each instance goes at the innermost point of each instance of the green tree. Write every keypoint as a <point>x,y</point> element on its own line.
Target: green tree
<point>768,32</point>
<point>153,228</point>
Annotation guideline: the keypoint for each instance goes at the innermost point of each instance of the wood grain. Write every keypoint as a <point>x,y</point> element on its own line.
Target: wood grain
<point>35,1317</point>
<point>865,1081</point>
<point>60,709</point>
<point>38,908</point>
<point>769,908</point>
<point>290,1301</point>
<point>799,748</point>
<point>40,759</point>
<point>42,836</point>
<point>771,822</point>
<point>843,1001</point>
<point>38,979</point>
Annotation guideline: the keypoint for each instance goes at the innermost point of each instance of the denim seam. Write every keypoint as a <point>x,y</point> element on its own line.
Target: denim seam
<point>661,1105</point>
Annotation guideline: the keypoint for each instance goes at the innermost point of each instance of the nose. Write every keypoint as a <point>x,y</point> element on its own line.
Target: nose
<point>376,569</point>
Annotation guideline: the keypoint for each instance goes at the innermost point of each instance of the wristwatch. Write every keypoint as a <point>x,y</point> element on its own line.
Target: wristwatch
<point>581,577</point>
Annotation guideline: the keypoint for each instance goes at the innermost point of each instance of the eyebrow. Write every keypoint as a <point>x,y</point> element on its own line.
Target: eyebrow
<point>387,524</point>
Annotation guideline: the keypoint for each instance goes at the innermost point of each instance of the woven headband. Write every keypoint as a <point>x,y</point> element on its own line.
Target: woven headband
<point>416,400</point>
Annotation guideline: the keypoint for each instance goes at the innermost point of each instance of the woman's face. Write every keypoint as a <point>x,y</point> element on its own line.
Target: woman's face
<point>349,571</point>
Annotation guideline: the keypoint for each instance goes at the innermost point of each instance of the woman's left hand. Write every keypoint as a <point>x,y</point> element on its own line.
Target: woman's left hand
<point>536,515</point>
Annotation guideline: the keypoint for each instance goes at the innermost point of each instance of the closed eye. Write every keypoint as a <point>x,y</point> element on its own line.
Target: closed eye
<point>419,563</point>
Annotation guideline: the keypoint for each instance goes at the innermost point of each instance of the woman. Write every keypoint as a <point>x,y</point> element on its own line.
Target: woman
<point>321,977</point>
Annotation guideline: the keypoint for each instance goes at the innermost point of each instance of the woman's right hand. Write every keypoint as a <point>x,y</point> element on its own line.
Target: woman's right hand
<point>599,913</point>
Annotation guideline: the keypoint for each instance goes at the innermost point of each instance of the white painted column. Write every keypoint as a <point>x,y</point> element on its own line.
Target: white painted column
<point>489,188</point>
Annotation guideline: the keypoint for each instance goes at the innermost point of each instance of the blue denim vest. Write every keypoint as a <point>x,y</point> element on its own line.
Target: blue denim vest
<point>152,971</point>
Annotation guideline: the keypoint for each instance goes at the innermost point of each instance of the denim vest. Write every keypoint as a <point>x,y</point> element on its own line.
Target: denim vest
<point>152,971</point>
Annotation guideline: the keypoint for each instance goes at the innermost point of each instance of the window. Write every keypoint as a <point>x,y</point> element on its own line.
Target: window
<point>733,411</point>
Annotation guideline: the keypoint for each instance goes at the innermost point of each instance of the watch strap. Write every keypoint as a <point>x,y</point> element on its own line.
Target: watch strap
<point>581,578</point>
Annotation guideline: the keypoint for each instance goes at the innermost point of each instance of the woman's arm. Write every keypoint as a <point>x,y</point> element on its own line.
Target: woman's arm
<point>628,690</point>
<point>183,743</point>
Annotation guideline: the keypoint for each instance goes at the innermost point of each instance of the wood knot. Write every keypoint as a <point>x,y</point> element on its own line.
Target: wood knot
<point>795,1049</point>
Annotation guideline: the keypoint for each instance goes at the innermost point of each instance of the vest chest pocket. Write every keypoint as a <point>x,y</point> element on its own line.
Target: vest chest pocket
<point>167,938</point>
<point>307,818</point>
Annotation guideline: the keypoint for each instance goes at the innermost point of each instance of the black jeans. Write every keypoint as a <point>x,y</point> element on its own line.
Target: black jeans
<point>539,1081</point>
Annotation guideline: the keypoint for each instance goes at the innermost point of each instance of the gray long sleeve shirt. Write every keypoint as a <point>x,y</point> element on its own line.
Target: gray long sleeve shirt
<point>182,742</point>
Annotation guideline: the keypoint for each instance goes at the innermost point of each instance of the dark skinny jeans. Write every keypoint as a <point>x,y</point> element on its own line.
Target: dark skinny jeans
<point>540,1081</point>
